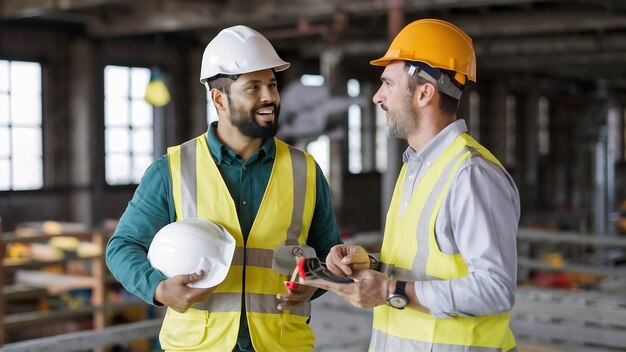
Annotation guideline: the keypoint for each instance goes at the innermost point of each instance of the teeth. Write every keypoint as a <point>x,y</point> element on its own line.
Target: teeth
<point>265,111</point>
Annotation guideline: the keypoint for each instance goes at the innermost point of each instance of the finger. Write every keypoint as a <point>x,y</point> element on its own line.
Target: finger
<point>286,305</point>
<point>355,259</point>
<point>338,268</point>
<point>293,295</point>
<point>293,286</point>
<point>193,277</point>
<point>323,284</point>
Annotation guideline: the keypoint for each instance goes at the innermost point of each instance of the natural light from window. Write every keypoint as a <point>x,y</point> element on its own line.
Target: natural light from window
<point>21,144</point>
<point>128,124</point>
<point>355,129</point>
<point>381,139</point>
<point>320,150</point>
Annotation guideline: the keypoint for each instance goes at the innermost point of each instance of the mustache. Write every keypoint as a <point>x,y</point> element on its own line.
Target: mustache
<point>384,107</point>
<point>266,105</point>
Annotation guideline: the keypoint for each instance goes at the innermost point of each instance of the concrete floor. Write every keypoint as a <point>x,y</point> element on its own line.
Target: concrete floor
<point>339,326</point>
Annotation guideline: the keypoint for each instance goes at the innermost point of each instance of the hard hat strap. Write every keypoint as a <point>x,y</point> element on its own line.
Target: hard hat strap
<point>442,81</point>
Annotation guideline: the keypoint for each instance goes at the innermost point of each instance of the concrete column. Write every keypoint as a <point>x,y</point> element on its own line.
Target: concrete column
<point>82,120</point>
<point>614,118</point>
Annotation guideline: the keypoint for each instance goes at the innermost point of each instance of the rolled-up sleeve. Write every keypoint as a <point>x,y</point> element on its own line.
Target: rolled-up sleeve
<point>147,212</point>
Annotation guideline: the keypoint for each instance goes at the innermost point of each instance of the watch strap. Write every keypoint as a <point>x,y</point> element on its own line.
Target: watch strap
<point>400,288</point>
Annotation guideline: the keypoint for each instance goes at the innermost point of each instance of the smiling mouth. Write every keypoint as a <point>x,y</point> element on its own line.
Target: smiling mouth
<point>266,113</point>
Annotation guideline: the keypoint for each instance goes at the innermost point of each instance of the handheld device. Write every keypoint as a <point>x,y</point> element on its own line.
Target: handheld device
<point>311,268</point>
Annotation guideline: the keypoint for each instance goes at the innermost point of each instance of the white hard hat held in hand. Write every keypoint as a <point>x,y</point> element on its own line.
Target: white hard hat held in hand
<point>237,50</point>
<point>189,245</point>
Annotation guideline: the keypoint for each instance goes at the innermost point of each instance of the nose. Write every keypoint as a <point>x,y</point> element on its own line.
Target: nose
<point>378,97</point>
<point>268,95</point>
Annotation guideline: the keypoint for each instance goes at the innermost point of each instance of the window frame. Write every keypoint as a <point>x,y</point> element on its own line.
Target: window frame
<point>10,125</point>
<point>131,181</point>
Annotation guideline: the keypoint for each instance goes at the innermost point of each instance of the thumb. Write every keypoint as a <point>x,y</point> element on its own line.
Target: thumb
<point>193,277</point>
<point>354,259</point>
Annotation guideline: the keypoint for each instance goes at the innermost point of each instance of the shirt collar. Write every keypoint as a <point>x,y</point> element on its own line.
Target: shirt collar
<point>222,153</point>
<point>437,145</point>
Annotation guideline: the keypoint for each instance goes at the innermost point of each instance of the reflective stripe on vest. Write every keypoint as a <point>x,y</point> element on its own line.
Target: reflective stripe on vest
<point>386,342</point>
<point>418,270</point>
<point>291,185</point>
<point>410,253</point>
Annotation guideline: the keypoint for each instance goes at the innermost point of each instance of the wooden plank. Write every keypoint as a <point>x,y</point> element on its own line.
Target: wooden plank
<point>55,283</point>
<point>83,340</point>
<point>21,320</point>
<point>31,263</point>
<point>22,292</point>
<point>11,237</point>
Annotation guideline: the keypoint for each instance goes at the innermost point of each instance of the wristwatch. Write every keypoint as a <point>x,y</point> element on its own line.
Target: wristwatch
<point>398,298</point>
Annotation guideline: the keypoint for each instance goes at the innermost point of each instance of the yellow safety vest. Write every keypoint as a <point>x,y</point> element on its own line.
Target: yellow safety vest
<point>410,253</point>
<point>283,220</point>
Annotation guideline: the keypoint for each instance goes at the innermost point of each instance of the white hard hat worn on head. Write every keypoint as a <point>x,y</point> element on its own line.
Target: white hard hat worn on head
<point>185,246</point>
<point>237,50</point>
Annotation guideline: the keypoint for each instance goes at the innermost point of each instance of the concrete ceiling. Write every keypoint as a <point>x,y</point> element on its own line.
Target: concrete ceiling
<point>563,39</point>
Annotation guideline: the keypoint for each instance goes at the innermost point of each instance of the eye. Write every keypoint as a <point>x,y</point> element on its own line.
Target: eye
<point>273,85</point>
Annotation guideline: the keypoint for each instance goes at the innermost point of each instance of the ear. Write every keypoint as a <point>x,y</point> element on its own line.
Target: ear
<point>425,94</point>
<point>220,99</point>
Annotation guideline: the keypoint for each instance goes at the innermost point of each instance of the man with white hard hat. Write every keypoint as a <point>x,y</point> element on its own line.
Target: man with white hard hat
<point>272,198</point>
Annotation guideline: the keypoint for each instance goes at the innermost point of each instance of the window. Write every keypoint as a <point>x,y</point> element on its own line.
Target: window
<point>320,150</point>
<point>355,153</point>
<point>21,147</point>
<point>355,130</point>
<point>312,80</point>
<point>381,139</point>
<point>128,124</point>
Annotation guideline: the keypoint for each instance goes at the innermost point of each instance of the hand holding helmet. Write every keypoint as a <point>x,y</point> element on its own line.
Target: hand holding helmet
<point>189,245</point>
<point>195,255</point>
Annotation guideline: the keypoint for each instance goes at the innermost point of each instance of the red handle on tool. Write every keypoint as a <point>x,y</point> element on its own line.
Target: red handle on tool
<point>293,285</point>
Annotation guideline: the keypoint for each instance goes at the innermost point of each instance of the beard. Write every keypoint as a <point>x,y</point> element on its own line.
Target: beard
<point>246,122</point>
<point>403,125</point>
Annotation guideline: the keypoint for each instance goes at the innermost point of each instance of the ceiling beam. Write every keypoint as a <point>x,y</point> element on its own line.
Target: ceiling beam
<point>16,9</point>
<point>172,15</point>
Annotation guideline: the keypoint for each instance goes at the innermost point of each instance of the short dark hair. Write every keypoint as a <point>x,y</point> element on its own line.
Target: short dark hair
<point>222,82</point>
<point>447,104</point>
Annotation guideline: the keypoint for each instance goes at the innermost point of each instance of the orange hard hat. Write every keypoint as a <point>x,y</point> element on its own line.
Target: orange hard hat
<point>438,43</point>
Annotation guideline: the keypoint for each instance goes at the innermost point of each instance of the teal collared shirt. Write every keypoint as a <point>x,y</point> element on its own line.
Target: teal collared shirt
<point>152,207</point>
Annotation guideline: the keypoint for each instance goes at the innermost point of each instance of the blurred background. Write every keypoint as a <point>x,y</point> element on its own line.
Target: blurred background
<point>78,127</point>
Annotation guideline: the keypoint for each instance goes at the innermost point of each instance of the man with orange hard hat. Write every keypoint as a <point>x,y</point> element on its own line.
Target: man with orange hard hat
<point>448,261</point>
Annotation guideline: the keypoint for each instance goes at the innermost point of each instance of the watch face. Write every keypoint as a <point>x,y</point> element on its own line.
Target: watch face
<point>397,301</point>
